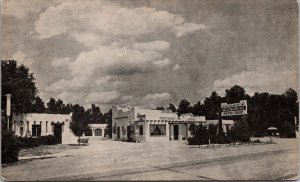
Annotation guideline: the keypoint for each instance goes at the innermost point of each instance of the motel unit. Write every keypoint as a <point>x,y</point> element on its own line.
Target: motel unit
<point>153,125</point>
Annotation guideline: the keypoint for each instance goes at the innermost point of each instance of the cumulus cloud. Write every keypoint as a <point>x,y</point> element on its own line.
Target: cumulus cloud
<point>61,62</point>
<point>102,97</point>
<point>126,98</point>
<point>186,28</point>
<point>157,98</point>
<point>157,45</point>
<point>113,61</point>
<point>21,8</point>
<point>21,58</point>
<point>108,18</point>
<point>162,63</point>
<point>258,82</point>
<point>76,83</point>
<point>176,67</point>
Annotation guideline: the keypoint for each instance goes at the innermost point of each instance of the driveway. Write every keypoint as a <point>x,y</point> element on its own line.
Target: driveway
<point>113,160</point>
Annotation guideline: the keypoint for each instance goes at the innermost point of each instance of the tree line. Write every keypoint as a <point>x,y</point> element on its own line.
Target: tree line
<point>264,109</point>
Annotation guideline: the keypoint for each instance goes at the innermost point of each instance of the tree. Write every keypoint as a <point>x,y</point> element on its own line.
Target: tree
<point>17,81</point>
<point>108,119</point>
<point>51,106</point>
<point>198,109</point>
<point>39,105</point>
<point>78,124</point>
<point>94,115</point>
<point>184,107</point>
<point>287,130</point>
<point>235,94</point>
<point>172,107</point>
<point>211,105</point>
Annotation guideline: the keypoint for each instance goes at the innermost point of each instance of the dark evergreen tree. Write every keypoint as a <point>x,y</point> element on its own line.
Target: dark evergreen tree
<point>17,81</point>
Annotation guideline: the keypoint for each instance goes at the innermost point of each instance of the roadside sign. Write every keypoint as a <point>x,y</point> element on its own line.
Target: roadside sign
<point>234,109</point>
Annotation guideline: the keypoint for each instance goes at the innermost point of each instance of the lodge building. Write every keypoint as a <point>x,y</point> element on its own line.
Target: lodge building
<point>43,124</point>
<point>152,125</point>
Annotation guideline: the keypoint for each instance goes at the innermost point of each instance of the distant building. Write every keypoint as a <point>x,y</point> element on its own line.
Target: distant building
<point>153,125</point>
<point>98,130</point>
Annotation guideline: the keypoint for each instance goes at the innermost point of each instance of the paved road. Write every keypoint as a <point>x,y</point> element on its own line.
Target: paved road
<point>107,160</point>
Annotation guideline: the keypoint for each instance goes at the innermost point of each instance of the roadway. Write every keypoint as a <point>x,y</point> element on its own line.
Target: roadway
<point>108,160</point>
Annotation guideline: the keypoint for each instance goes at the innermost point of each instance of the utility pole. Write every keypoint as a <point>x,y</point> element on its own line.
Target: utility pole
<point>8,108</point>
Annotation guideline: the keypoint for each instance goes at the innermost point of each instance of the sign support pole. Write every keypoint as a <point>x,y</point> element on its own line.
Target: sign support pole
<point>220,121</point>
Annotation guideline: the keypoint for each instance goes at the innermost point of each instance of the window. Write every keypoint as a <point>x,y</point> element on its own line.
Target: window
<point>98,132</point>
<point>46,126</point>
<point>36,130</point>
<point>141,130</point>
<point>157,130</point>
<point>21,131</point>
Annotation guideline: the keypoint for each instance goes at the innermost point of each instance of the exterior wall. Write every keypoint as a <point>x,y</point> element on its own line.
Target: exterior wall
<point>122,117</point>
<point>44,120</point>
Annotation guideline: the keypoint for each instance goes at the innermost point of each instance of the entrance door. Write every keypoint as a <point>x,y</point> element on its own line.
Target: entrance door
<point>176,132</point>
<point>58,132</point>
<point>118,132</point>
<point>129,136</point>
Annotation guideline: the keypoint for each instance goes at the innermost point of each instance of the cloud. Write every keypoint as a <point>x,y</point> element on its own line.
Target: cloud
<point>176,67</point>
<point>107,18</point>
<point>113,61</point>
<point>186,28</point>
<point>102,97</point>
<point>157,98</point>
<point>126,98</point>
<point>258,82</point>
<point>21,8</point>
<point>162,63</point>
<point>157,45</point>
<point>61,62</point>
<point>21,58</point>
<point>76,83</point>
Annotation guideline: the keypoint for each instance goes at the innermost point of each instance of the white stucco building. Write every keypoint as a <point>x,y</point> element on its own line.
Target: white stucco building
<point>153,125</point>
<point>98,130</point>
<point>42,124</point>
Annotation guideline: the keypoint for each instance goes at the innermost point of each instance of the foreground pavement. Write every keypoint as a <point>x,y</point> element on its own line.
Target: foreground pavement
<point>110,160</point>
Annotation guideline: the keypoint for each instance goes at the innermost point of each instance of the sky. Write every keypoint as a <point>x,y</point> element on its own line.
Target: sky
<point>152,52</point>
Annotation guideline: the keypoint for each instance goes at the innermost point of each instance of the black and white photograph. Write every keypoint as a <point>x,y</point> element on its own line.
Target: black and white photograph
<point>149,90</point>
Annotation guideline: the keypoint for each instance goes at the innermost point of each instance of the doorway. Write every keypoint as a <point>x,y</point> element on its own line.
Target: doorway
<point>176,132</point>
<point>58,132</point>
<point>118,132</point>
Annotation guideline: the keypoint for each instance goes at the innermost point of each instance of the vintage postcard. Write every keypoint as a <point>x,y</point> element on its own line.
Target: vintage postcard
<point>139,90</point>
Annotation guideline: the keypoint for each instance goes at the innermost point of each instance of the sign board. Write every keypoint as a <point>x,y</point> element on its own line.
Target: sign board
<point>234,109</point>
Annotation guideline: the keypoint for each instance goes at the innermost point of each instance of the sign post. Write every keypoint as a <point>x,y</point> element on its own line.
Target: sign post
<point>232,110</point>
<point>8,108</point>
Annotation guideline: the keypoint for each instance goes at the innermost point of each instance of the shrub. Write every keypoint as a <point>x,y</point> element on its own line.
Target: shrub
<point>10,147</point>
<point>83,140</point>
<point>48,140</point>
<point>239,132</point>
<point>35,142</point>
<point>286,130</point>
